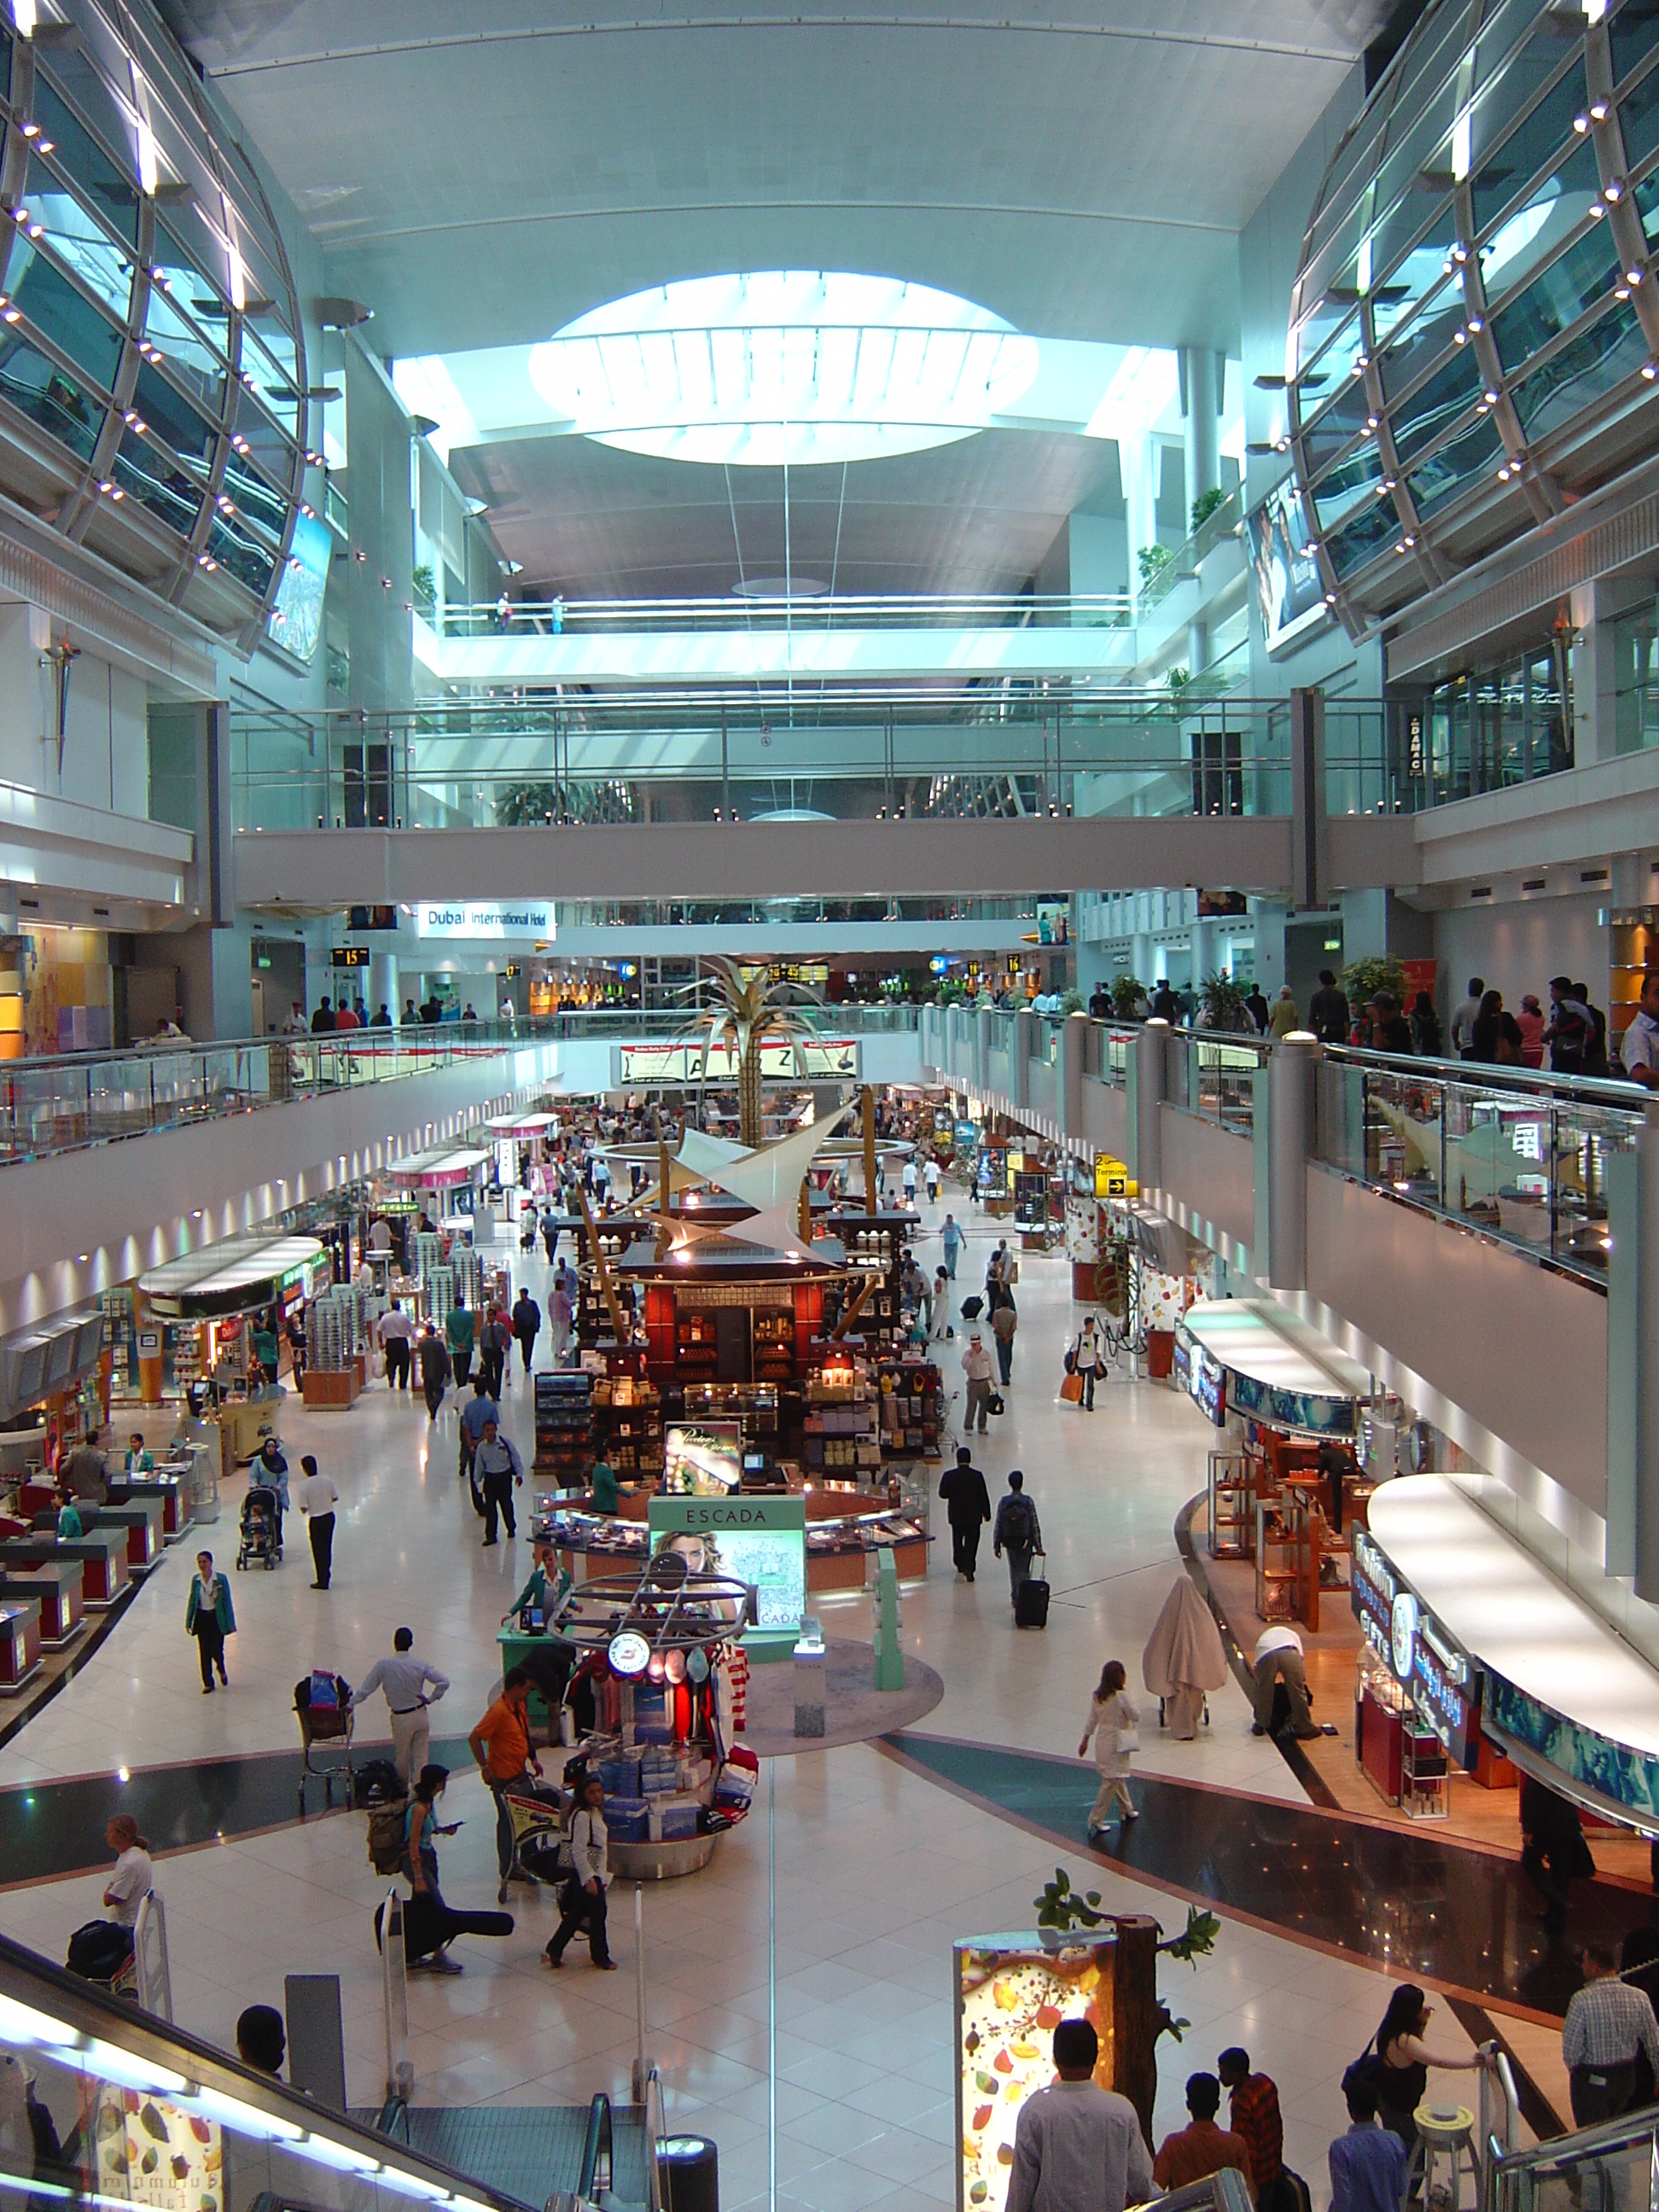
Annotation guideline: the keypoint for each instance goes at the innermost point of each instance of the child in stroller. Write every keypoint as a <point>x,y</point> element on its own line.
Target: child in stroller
<point>261,1528</point>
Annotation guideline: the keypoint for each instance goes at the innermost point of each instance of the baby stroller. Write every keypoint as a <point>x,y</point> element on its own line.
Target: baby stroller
<point>262,1527</point>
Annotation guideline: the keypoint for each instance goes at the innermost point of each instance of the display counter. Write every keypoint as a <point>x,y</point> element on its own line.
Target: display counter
<point>56,1588</point>
<point>843,1529</point>
<point>331,1390</point>
<point>20,1643</point>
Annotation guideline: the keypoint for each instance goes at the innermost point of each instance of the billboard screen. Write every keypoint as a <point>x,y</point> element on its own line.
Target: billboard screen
<point>1290,594</point>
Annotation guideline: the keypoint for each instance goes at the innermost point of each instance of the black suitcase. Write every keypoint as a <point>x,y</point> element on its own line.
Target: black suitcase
<point>1031,1598</point>
<point>375,1782</point>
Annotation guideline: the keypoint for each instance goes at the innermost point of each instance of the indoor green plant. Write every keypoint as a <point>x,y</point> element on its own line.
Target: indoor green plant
<point>1379,971</point>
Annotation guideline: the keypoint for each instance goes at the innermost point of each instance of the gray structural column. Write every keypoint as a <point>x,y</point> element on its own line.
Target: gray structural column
<point>383,987</point>
<point>1148,1082</point>
<point>982,1047</point>
<point>1632,1499</point>
<point>1290,1096</point>
<point>1310,863</point>
<point>1073,1044</point>
<point>1202,374</point>
<point>1020,1051</point>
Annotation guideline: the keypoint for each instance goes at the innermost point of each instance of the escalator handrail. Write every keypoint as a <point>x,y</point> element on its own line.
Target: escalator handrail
<point>92,2016</point>
<point>598,2140</point>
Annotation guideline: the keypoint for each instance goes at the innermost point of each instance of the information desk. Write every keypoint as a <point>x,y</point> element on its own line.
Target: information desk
<point>141,1521</point>
<point>169,1488</point>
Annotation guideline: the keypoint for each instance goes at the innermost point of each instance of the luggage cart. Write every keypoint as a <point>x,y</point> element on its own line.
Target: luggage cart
<point>329,1726</point>
<point>540,1851</point>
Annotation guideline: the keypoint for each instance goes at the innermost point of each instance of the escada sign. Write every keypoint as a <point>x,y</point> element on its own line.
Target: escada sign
<point>491,921</point>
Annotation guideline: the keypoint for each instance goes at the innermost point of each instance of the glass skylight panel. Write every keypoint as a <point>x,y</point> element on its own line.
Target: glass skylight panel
<point>795,366</point>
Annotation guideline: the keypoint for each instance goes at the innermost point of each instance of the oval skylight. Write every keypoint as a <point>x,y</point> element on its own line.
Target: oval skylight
<point>800,365</point>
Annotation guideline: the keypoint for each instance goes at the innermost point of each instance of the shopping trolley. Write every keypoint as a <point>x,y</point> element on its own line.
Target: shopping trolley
<point>324,1724</point>
<point>541,1850</point>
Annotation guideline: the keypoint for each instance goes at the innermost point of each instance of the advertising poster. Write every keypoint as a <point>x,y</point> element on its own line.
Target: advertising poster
<point>1013,1991</point>
<point>1289,593</point>
<point>759,1540</point>
<point>150,2153</point>
<point>704,1459</point>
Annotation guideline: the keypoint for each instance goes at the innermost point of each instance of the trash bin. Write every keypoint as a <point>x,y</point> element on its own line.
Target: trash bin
<point>688,2169</point>
<point>809,1681</point>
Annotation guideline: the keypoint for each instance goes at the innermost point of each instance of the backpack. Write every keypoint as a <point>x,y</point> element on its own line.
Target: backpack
<point>1019,1522</point>
<point>99,1950</point>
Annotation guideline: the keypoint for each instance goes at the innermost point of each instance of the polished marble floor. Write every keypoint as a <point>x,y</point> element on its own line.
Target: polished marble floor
<point>862,1868</point>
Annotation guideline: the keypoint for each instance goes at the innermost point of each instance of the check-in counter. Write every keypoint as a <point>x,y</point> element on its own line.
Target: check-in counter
<point>170,1488</point>
<point>141,1520</point>
<point>20,1643</point>
<point>56,1588</point>
<point>102,1560</point>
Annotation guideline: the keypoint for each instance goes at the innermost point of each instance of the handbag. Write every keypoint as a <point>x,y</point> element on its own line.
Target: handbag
<point>1070,1360</point>
<point>994,1404</point>
<point>1128,1739</point>
<point>1071,1389</point>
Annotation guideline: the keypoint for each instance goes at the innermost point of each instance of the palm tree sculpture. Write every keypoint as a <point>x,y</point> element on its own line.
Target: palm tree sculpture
<point>750,1015</point>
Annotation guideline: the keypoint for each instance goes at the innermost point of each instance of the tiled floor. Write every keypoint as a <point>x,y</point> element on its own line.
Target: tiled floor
<point>878,1871</point>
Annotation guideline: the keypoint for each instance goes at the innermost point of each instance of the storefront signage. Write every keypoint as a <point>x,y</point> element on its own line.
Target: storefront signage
<point>758,1540</point>
<point>1616,1772</point>
<point>349,956</point>
<point>488,921</point>
<point>1422,1657</point>
<point>825,1057</point>
<point>1208,1385</point>
<point>1292,1409</point>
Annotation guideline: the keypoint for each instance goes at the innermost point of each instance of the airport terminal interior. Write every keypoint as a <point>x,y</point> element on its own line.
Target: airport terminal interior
<point>831,1221</point>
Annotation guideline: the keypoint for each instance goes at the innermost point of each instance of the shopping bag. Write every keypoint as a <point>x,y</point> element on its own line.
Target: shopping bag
<point>1071,1389</point>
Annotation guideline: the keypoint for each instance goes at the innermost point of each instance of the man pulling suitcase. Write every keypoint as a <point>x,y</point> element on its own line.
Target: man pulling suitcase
<point>1018,1533</point>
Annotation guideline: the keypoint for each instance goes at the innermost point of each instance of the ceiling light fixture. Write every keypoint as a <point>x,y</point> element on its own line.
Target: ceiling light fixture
<point>784,365</point>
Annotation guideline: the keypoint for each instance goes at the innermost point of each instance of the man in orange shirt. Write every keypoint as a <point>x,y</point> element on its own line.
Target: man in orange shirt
<point>501,1744</point>
<point>1201,2147</point>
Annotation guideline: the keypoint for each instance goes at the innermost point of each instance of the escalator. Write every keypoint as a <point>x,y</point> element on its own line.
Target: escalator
<point>103,2105</point>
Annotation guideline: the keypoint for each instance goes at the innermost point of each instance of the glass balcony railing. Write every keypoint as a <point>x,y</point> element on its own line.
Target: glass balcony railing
<point>1521,1157</point>
<point>815,611</point>
<point>67,1102</point>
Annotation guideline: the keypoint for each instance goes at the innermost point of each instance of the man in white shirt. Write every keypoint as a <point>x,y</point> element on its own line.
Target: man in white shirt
<point>317,1498</point>
<point>1078,2148</point>
<point>1463,1021</point>
<point>411,1686</point>
<point>1639,1046</point>
<point>395,1330</point>
<point>1278,1658</point>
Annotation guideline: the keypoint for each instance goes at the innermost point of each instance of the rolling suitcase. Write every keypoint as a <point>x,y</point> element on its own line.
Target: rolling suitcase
<point>1031,1599</point>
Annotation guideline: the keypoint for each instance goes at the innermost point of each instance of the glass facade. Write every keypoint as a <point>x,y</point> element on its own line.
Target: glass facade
<point>1473,337</point>
<point>152,363</point>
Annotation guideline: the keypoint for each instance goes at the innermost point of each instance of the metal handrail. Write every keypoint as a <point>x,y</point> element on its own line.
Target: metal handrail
<point>1506,2176</point>
<point>656,2127</point>
<point>597,2144</point>
<point>819,611</point>
<point>394,2000</point>
<point>1592,1090</point>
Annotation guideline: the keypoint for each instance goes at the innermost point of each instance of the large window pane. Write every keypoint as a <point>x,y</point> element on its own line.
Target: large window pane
<point>1470,453</point>
<point>254,497</point>
<point>1591,364</point>
<point>275,453</point>
<point>1501,165</point>
<point>1639,119</point>
<point>1404,278</point>
<point>1436,403</point>
<point>1360,540</point>
<point>108,184</point>
<point>165,490</point>
<point>1424,339</point>
<point>1534,233</point>
<point>189,355</point>
<point>1341,489</point>
<point>272,385</point>
<point>240,553</point>
<point>1573,185</point>
<point>80,242</point>
<point>1555,300</point>
<point>40,390</point>
<point>1340,422</point>
<point>1633,33</point>
<point>172,418</point>
<point>61,313</point>
<point>1339,304</point>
